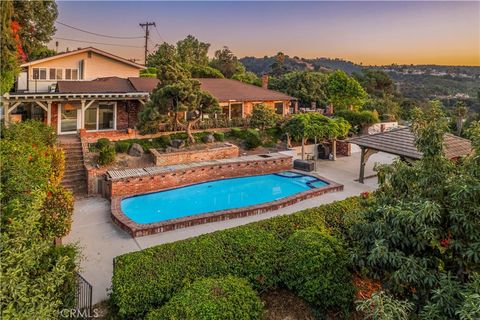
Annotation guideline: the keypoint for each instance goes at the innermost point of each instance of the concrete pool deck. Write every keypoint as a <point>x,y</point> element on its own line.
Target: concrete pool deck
<point>100,240</point>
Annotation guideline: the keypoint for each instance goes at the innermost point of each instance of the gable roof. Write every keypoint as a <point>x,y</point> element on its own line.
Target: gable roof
<point>401,142</point>
<point>234,90</point>
<point>87,49</point>
<point>222,89</point>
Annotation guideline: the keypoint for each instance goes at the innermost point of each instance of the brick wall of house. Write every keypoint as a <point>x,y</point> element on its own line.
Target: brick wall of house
<point>127,114</point>
<point>177,157</point>
<point>177,178</point>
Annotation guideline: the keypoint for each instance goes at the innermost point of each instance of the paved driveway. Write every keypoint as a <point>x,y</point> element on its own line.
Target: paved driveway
<point>100,240</point>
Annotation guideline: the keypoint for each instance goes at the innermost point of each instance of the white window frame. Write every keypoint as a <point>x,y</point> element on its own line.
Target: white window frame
<point>230,109</point>
<point>283,106</point>
<point>97,106</point>
<point>39,73</point>
<point>59,120</point>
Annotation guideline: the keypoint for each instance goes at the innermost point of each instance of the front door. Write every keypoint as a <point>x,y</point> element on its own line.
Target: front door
<point>69,119</point>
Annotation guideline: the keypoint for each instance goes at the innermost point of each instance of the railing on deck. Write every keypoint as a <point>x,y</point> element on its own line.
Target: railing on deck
<point>83,298</point>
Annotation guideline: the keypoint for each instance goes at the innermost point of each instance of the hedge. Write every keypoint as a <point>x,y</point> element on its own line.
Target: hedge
<point>148,279</point>
<point>314,266</point>
<point>227,298</point>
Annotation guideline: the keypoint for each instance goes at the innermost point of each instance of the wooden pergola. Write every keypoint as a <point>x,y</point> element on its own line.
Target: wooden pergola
<point>401,142</point>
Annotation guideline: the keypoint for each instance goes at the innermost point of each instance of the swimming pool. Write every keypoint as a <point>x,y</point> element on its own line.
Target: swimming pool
<point>216,195</point>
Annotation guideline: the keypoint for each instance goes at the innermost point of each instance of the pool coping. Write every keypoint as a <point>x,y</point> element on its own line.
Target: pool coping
<point>139,230</point>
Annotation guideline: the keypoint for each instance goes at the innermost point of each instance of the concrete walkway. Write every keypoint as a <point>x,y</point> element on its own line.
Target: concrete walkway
<point>100,240</point>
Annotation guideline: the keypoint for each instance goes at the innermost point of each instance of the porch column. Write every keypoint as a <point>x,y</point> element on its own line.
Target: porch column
<point>334,149</point>
<point>82,115</point>
<point>6,105</point>
<point>364,155</point>
<point>49,112</point>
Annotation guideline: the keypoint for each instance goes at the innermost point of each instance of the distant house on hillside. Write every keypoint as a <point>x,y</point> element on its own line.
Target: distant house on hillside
<point>96,91</point>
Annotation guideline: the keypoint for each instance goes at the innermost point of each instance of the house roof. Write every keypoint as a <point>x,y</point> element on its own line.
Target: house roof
<point>100,85</point>
<point>222,89</point>
<point>233,90</point>
<point>401,142</point>
<point>92,49</point>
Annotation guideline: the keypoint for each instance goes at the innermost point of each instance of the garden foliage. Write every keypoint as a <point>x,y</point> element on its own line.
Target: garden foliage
<point>148,279</point>
<point>225,298</point>
<point>37,276</point>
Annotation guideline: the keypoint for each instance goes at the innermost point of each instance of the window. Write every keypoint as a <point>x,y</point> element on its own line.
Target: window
<point>59,74</point>
<point>68,74</point>
<point>53,73</point>
<point>39,73</point>
<point>101,117</point>
<point>279,108</point>
<point>236,110</point>
<point>74,74</point>
<point>91,118</point>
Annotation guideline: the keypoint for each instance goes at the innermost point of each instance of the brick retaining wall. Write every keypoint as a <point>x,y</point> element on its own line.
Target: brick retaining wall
<point>226,151</point>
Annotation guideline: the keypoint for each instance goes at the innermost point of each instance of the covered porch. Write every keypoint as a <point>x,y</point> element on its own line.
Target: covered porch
<point>70,113</point>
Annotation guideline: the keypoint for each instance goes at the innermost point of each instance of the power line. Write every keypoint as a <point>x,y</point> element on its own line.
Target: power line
<point>97,34</point>
<point>159,35</point>
<point>103,43</point>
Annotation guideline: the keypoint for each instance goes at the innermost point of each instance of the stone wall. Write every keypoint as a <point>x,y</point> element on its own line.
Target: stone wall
<point>160,179</point>
<point>177,157</point>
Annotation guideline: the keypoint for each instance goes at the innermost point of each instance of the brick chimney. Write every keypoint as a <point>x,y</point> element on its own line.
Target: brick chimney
<point>265,81</point>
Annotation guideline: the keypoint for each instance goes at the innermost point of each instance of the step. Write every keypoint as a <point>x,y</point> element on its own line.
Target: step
<point>74,176</point>
<point>73,167</point>
<point>73,158</point>
<point>75,184</point>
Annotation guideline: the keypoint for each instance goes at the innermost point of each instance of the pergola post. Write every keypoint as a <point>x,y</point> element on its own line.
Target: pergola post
<point>364,156</point>
<point>49,112</point>
<point>6,105</point>
<point>334,149</point>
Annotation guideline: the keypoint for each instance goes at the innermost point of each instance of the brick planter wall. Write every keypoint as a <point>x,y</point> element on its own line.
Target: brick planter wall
<point>139,230</point>
<point>344,148</point>
<point>161,178</point>
<point>177,157</point>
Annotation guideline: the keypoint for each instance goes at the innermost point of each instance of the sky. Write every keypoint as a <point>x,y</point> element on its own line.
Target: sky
<point>372,33</point>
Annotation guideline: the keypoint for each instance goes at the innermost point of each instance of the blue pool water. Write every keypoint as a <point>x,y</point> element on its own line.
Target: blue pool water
<point>216,195</point>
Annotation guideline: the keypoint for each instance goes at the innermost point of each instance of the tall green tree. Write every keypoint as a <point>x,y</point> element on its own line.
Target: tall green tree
<point>228,64</point>
<point>263,117</point>
<point>375,82</point>
<point>177,92</point>
<point>460,112</point>
<point>344,91</point>
<point>9,55</point>
<point>191,51</point>
<point>420,236</point>
<point>279,67</point>
<point>307,86</point>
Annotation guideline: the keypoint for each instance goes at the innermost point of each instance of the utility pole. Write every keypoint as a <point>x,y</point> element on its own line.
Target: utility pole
<point>147,34</point>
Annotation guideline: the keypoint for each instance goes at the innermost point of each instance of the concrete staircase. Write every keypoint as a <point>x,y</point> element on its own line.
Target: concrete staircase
<point>75,177</point>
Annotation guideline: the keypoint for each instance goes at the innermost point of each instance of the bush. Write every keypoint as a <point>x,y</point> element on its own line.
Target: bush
<point>219,136</point>
<point>263,117</point>
<point>252,139</point>
<point>314,265</point>
<point>102,143</point>
<point>236,132</point>
<point>122,146</point>
<point>31,132</point>
<point>210,298</point>
<point>57,212</point>
<point>149,278</point>
<point>58,166</point>
<point>106,155</point>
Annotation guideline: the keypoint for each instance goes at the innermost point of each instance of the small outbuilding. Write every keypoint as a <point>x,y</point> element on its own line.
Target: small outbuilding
<point>401,142</point>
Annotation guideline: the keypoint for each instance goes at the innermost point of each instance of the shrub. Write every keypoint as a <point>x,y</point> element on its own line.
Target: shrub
<point>263,117</point>
<point>57,212</point>
<point>106,155</point>
<point>314,265</point>
<point>102,143</point>
<point>236,132</point>
<point>252,139</point>
<point>210,298</point>
<point>58,166</point>
<point>31,132</point>
<point>146,279</point>
<point>122,146</point>
<point>219,136</point>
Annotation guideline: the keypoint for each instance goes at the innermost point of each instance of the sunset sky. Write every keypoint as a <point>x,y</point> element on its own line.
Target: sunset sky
<point>363,32</point>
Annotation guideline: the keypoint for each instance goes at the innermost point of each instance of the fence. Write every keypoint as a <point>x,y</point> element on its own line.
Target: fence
<point>83,299</point>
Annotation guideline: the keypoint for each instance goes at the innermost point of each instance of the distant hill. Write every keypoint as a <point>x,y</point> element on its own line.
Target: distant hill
<point>420,82</point>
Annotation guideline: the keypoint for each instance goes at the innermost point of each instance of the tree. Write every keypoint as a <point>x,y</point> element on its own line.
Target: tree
<point>359,120</point>
<point>315,126</point>
<point>263,117</point>
<point>420,235</point>
<point>9,55</point>
<point>227,63</point>
<point>344,91</point>
<point>165,53</point>
<point>386,106</point>
<point>307,86</point>
<point>177,92</point>
<point>375,82</point>
<point>279,67</point>
<point>191,51</point>
<point>460,112</point>
<point>248,77</point>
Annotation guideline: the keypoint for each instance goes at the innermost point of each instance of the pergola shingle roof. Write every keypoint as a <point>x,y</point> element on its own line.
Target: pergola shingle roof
<point>401,142</point>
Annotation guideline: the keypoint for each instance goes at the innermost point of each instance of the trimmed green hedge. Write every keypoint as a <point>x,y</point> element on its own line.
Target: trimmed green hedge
<point>148,279</point>
<point>227,298</point>
<point>314,265</point>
